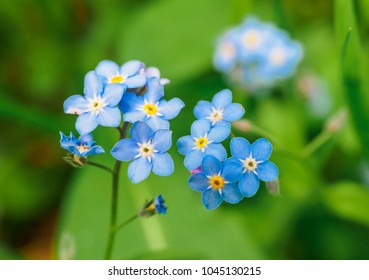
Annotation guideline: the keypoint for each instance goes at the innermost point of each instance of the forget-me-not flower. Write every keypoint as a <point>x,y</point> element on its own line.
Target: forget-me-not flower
<point>217,181</point>
<point>254,162</point>
<point>202,141</point>
<point>221,111</point>
<point>83,146</point>
<point>98,106</point>
<point>154,72</point>
<point>151,108</point>
<point>147,150</point>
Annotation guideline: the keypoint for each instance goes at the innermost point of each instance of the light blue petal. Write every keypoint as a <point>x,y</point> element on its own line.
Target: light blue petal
<point>107,69</point>
<point>86,138</point>
<point>249,184</point>
<point>93,85</point>
<point>139,170</point>
<point>157,123</point>
<point>233,112</point>
<point>199,128</point>
<point>113,94</point>
<point>86,123</point>
<point>75,104</point>
<point>155,91</point>
<point>216,150</point>
<point>93,151</point>
<point>130,102</point>
<point>240,148</point>
<point>261,149</point>
<point>222,99</point>
<point>231,193</point>
<point>211,199</point>
<point>125,150</point>
<point>135,81</point>
<point>199,182</point>
<point>130,68</point>
<point>211,165</point>
<point>171,108</point>
<point>141,132</point>
<point>109,116</point>
<point>267,171</point>
<point>162,164</point>
<point>134,116</point>
<point>162,140</point>
<point>185,144</point>
<point>202,110</point>
<point>193,159</point>
<point>219,133</point>
<point>232,170</point>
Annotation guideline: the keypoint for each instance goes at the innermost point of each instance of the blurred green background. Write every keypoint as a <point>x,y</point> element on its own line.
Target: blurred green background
<point>50,210</point>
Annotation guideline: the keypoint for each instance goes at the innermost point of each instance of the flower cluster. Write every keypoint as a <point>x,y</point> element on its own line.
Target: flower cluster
<point>215,176</point>
<point>255,55</point>
<point>137,92</point>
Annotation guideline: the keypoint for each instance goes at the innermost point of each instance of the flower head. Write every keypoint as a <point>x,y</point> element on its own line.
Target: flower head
<point>254,162</point>
<point>83,146</point>
<point>217,181</point>
<point>150,108</point>
<point>147,151</point>
<point>202,141</point>
<point>155,206</point>
<point>98,106</point>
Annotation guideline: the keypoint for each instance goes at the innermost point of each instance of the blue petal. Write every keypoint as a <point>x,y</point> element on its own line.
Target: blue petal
<point>86,138</point>
<point>199,128</point>
<point>261,149</point>
<point>155,91</point>
<point>193,159</point>
<point>93,85</point>
<point>185,144</point>
<point>109,116</point>
<point>134,116</point>
<point>202,110</point>
<point>171,108</point>
<point>76,104</point>
<point>211,165</point>
<point>211,199</point>
<point>113,94</point>
<point>139,170</point>
<point>199,182</point>
<point>131,102</point>
<point>249,184</point>
<point>94,150</point>
<point>141,132</point>
<point>216,150</point>
<point>107,69</point>
<point>240,148</point>
<point>86,123</point>
<point>231,193</point>
<point>232,170</point>
<point>125,150</point>
<point>130,68</point>
<point>162,140</point>
<point>162,164</point>
<point>219,133</point>
<point>222,99</point>
<point>233,112</point>
<point>135,81</point>
<point>156,123</point>
<point>267,171</point>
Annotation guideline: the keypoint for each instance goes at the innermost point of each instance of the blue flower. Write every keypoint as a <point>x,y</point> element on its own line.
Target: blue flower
<point>128,74</point>
<point>221,111</point>
<point>159,205</point>
<point>146,150</point>
<point>154,206</point>
<point>202,141</point>
<point>217,181</point>
<point>83,146</point>
<point>154,72</point>
<point>254,162</point>
<point>150,108</point>
<point>97,107</point>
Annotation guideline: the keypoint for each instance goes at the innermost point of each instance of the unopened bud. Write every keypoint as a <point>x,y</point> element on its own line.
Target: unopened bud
<point>336,122</point>
<point>152,207</point>
<point>74,160</point>
<point>242,125</point>
<point>273,187</point>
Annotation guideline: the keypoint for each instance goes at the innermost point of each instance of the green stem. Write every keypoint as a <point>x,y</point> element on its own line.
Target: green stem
<point>126,222</point>
<point>114,204</point>
<point>99,166</point>
<point>316,143</point>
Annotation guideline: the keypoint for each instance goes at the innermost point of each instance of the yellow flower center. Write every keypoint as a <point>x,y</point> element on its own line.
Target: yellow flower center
<point>216,182</point>
<point>278,56</point>
<point>116,79</point>
<point>251,39</point>
<point>150,109</point>
<point>146,149</point>
<point>216,115</point>
<point>82,148</point>
<point>250,164</point>
<point>201,143</point>
<point>227,50</point>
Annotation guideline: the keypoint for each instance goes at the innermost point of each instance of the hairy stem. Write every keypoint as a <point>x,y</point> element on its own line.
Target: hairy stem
<point>100,166</point>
